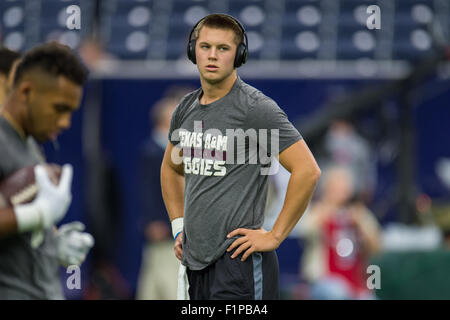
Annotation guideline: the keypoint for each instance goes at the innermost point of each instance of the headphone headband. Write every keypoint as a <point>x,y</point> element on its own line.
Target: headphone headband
<point>241,51</point>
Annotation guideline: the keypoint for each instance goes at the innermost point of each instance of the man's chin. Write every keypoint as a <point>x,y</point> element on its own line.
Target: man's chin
<point>41,138</point>
<point>213,81</point>
<point>213,78</point>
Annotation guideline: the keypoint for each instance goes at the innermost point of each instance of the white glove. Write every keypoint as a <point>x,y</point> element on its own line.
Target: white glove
<point>51,202</point>
<point>73,244</point>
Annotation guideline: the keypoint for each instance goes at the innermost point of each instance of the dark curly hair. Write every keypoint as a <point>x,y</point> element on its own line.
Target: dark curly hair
<point>55,59</point>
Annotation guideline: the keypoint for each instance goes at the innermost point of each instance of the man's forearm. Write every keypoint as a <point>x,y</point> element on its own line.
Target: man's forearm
<point>299,193</point>
<point>172,188</point>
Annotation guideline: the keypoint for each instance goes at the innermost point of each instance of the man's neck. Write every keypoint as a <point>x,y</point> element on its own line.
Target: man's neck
<point>11,115</point>
<point>213,92</point>
<point>3,81</point>
<point>2,97</point>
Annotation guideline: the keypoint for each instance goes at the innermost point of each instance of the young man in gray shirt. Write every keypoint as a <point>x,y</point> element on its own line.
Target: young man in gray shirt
<point>214,174</point>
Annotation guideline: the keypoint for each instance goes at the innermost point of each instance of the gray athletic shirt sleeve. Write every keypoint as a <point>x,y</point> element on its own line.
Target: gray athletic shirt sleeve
<point>25,272</point>
<point>226,147</point>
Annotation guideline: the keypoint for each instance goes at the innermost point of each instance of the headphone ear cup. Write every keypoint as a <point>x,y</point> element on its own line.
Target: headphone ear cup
<point>191,51</point>
<point>241,55</point>
<point>244,54</point>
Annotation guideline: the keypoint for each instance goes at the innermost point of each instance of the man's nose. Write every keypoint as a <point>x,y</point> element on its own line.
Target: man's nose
<point>212,53</point>
<point>64,122</point>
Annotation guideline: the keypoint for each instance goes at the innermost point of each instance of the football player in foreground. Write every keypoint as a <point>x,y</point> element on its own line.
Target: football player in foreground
<point>47,89</point>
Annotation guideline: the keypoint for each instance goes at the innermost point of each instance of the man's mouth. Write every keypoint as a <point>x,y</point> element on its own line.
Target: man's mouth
<point>53,136</point>
<point>211,67</point>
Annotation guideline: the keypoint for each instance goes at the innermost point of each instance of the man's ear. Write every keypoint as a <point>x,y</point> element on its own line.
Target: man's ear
<point>24,89</point>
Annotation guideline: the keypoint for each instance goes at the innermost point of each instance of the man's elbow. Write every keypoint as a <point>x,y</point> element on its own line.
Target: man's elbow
<point>315,176</point>
<point>313,173</point>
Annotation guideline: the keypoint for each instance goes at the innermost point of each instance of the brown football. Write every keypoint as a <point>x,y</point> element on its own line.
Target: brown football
<point>20,187</point>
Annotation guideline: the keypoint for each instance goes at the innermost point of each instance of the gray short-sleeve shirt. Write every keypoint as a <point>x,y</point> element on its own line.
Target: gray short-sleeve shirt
<point>226,156</point>
<point>25,272</point>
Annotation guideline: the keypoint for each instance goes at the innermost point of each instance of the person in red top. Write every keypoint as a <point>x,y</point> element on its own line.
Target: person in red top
<point>341,234</point>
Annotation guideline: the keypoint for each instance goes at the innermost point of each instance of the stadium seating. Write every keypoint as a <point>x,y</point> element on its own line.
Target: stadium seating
<point>277,30</point>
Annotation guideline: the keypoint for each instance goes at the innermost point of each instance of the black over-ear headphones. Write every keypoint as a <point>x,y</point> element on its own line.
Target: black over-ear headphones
<point>241,51</point>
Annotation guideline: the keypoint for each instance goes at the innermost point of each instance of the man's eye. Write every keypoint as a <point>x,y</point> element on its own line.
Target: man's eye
<point>223,49</point>
<point>61,109</point>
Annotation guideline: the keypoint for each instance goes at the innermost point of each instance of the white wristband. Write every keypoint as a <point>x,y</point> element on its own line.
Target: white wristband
<point>177,226</point>
<point>28,217</point>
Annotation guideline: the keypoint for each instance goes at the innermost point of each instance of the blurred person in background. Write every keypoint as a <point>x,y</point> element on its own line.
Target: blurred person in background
<point>276,193</point>
<point>8,63</point>
<point>343,146</point>
<point>340,236</point>
<point>159,268</point>
<point>95,56</point>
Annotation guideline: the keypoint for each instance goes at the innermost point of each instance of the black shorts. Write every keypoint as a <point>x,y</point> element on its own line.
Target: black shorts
<point>254,279</point>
